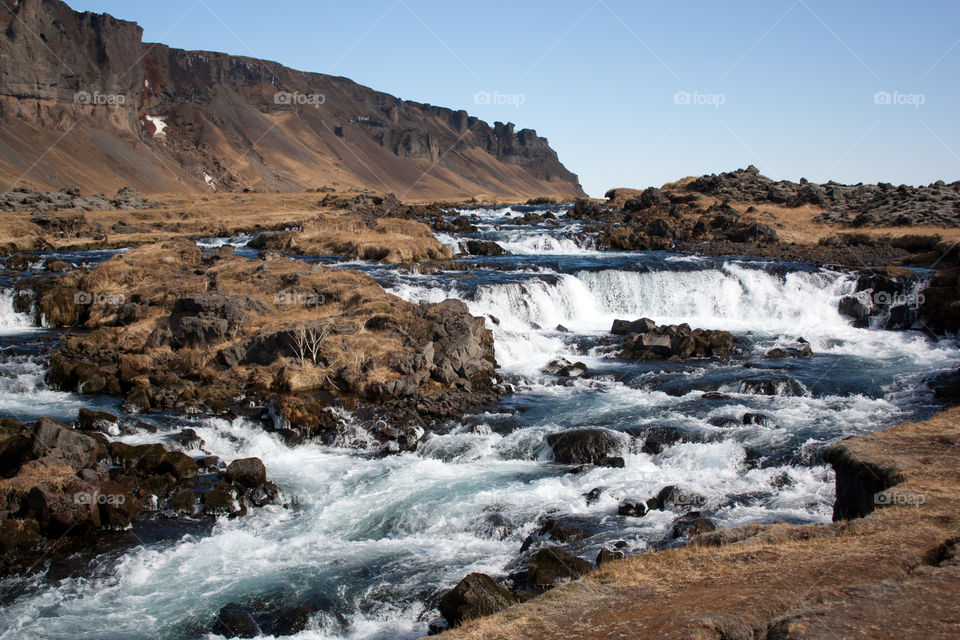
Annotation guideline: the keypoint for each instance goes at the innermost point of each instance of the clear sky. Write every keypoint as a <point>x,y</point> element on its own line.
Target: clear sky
<point>635,93</point>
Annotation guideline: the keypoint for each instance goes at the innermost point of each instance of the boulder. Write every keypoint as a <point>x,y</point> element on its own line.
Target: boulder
<point>462,345</point>
<point>475,596</point>
<point>692,524</point>
<point>753,232</point>
<point>633,508</point>
<point>563,368</point>
<point>247,472</point>
<point>586,446</point>
<point>626,327</point>
<point>674,498</point>
<point>233,621</point>
<point>648,341</point>
<point>857,306</point>
<point>290,621</point>
<point>71,509</point>
<point>609,555</point>
<point>484,248</point>
<point>16,447</point>
<point>88,420</point>
<point>179,465</point>
<point>551,566</point>
<point>659,438</point>
<point>59,443</point>
<point>116,504</point>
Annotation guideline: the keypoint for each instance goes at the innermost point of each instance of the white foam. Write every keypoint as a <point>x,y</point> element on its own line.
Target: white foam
<point>12,322</point>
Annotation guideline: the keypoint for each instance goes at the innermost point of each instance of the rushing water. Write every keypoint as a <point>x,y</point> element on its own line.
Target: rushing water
<point>372,541</point>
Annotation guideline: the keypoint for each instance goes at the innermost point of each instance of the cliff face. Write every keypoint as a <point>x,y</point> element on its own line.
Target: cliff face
<point>83,100</point>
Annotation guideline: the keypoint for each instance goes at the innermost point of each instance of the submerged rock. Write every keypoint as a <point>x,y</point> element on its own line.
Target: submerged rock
<point>233,621</point>
<point>773,387</point>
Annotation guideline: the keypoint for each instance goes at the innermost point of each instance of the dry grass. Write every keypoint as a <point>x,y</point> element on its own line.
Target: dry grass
<point>35,473</point>
<point>181,216</point>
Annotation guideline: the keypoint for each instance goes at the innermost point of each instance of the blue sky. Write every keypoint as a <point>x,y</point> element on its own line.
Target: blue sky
<point>635,93</point>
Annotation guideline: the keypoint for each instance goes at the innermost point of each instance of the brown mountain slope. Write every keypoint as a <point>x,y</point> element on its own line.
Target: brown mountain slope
<point>84,101</point>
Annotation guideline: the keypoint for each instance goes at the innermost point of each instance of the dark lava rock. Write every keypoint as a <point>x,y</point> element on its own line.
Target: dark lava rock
<point>648,341</point>
<point>586,446</point>
<point>563,368</point>
<point>248,472</point>
<point>553,565</point>
<point>287,622</point>
<point>692,524</point>
<point>608,555</point>
<point>88,420</point>
<point>484,248</point>
<point>475,596</point>
<point>625,327</point>
<point>188,439</point>
<point>58,442</point>
<point>659,438</point>
<point>757,418</point>
<point>674,498</point>
<point>857,307</point>
<point>233,621</point>
<point>633,507</point>
<point>773,387</point>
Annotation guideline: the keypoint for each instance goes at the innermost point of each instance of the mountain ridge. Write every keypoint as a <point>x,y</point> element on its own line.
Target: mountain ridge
<point>104,110</point>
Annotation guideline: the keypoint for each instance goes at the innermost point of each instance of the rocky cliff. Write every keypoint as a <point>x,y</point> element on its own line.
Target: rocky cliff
<point>83,100</point>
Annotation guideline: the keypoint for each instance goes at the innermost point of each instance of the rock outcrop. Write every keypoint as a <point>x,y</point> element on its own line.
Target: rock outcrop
<point>174,328</point>
<point>60,487</point>
<point>645,340</point>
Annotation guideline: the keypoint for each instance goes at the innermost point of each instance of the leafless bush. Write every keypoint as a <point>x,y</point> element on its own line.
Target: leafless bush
<point>308,342</point>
